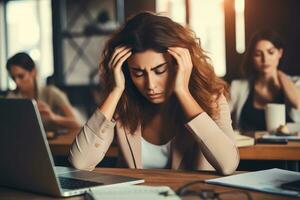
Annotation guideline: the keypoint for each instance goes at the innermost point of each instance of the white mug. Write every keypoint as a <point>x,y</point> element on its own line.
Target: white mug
<point>274,116</point>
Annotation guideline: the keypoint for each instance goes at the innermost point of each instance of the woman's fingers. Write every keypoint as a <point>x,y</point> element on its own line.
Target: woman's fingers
<point>122,59</point>
<point>184,68</point>
<point>116,66</point>
<point>118,53</point>
<point>177,56</point>
<point>115,53</point>
<point>183,55</point>
<point>44,108</point>
<point>120,56</point>
<point>187,57</point>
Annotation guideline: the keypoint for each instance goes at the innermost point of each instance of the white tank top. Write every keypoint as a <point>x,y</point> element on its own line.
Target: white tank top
<point>155,156</point>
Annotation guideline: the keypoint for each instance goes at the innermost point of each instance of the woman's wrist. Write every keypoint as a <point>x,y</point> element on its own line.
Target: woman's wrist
<point>184,96</point>
<point>109,106</point>
<point>182,92</point>
<point>190,106</point>
<point>117,91</point>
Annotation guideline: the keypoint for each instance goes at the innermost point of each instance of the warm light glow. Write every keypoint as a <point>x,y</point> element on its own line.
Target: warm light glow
<point>207,19</point>
<point>29,27</point>
<point>175,9</point>
<point>239,5</point>
<point>240,25</point>
<point>3,72</point>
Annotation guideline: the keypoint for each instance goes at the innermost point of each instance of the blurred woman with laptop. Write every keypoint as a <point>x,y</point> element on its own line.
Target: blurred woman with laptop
<point>162,101</point>
<point>265,83</point>
<point>54,106</point>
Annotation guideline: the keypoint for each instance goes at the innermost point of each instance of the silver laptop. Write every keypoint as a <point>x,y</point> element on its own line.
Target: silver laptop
<point>26,160</point>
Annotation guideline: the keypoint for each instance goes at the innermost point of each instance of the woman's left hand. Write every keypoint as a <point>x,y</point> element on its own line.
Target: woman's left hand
<point>290,90</point>
<point>282,76</point>
<point>184,69</point>
<point>46,111</point>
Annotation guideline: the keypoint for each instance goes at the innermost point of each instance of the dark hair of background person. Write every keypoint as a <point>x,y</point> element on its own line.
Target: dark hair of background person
<point>247,67</point>
<point>24,61</point>
<point>21,59</point>
<point>150,31</point>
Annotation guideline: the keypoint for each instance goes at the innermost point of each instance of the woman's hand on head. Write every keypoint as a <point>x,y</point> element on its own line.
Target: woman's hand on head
<point>116,62</point>
<point>184,69</point>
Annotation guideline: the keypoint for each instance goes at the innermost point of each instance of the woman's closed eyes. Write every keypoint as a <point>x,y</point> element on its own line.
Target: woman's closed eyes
<point>160,69</point>
<point>269,51</point>
<point>19,76</point>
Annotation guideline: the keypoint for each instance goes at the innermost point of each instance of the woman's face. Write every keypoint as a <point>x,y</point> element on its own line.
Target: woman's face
<point>266,56</point>
<point>151,74</point>
<point>23,78</point>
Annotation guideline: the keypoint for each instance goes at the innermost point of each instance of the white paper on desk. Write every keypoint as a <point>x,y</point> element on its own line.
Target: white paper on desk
<point>132,192</point>
<point>263,181</point>
<point>291,137</point>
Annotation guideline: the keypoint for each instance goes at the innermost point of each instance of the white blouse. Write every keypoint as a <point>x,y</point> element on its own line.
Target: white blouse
<point>155,156</point>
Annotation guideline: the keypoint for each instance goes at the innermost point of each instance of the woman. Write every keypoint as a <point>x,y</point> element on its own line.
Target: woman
<point>162,101</point>
<point>265,83</point>
<point>54,106</point>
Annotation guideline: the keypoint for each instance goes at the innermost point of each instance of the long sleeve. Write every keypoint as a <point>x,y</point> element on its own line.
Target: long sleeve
<point>239,91</point>
<point>216,139</point>
<point>92,143</point>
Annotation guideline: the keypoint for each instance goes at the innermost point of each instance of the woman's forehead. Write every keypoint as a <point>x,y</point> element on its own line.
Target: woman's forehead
<point>17,69</point>
<point>264,44</point>
<point>148,59</point>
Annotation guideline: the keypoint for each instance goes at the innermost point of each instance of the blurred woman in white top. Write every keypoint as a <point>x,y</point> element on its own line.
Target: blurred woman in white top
<point>265,83</point>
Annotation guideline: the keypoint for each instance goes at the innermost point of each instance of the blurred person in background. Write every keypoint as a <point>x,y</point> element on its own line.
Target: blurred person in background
<point>54,106</point>
<point>264,83</point>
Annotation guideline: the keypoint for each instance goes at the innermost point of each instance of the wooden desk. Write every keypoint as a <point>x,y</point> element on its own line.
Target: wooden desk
<point>290,151</point>
<point>61,145</point>
<point>171,178</point>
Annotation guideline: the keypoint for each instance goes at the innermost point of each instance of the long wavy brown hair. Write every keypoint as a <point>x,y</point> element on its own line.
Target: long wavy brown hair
<point>150,31</point>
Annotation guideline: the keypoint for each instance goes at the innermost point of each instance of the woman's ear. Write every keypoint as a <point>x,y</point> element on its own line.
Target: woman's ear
<point>280,53</point>
<point>33,72</point>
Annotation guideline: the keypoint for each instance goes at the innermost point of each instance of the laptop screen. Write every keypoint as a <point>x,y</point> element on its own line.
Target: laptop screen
<point>24,150</point>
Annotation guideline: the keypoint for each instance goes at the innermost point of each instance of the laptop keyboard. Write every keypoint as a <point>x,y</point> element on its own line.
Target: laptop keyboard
<point>71,183</point>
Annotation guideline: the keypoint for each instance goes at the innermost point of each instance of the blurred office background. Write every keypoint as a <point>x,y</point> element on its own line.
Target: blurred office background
<point>66,37</point>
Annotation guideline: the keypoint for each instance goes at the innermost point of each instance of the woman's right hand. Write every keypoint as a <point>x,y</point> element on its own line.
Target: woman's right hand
<point>116,62</point>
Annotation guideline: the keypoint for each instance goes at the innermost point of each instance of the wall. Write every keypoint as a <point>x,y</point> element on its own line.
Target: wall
<point>134,6</point>
<point>3,73</point>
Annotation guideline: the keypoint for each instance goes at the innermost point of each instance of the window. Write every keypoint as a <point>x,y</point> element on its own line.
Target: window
<point>206,20</point>
<point>29,28</point>
<point>3,75</point>
<point>239,6</point>
<point>175,9</point>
